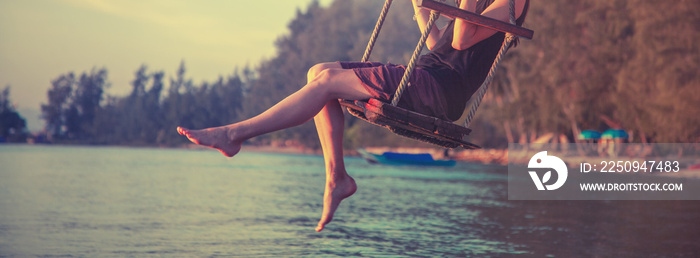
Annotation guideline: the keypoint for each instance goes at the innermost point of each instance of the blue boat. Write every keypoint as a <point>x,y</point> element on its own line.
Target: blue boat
<point>614,133</point>
<point>395,158</point>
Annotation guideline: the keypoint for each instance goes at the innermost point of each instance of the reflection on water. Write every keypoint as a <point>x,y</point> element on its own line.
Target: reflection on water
<point>83,201</point>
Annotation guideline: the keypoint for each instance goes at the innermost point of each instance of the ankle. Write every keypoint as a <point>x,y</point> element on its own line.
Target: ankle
<point>338,178</point>
<point>233,134</point>
<point>335,173</point>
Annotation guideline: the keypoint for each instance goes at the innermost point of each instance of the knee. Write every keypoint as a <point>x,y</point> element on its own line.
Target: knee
<point>318,69</point>
<point>318,79</point>
<point>325,78</point>
<point>314,71</point>
<point>336,83</point>
<point>325,83</point>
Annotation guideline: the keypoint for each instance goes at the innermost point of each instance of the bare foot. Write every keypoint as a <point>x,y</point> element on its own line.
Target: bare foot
<point>215,137</point>
<point>335,192</point>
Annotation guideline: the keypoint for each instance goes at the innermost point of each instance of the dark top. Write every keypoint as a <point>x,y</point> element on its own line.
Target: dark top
<point>460,73</point>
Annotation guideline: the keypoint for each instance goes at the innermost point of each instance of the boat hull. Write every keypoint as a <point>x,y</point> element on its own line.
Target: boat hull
<point>394,158</point>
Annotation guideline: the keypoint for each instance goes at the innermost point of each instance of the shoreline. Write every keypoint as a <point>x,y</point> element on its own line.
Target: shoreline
<point>481,156</point>
<point>477,156</point>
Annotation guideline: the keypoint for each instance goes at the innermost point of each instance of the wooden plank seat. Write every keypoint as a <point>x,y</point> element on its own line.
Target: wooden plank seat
<point>409,123</point>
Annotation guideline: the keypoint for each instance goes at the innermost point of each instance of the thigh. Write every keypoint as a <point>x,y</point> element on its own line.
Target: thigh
<point>343,84</point>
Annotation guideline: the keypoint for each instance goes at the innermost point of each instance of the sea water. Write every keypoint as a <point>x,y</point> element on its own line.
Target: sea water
<point>117,201</point>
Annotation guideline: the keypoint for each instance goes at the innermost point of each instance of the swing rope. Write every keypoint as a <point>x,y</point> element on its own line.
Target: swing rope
<point>492,72</point>
<point>377,28</point>
<point>416,53</point>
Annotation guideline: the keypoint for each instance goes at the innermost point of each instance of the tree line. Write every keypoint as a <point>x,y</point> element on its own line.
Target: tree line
<point>13,127</point>
<point>78,110</point>
<point>606,64</point>
<point>593,64</point>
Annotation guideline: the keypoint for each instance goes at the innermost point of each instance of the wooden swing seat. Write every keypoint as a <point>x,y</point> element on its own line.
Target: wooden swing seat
<point>409,123</point>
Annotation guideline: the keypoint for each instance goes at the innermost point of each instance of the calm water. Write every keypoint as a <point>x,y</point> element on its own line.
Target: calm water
<point>107,201</point>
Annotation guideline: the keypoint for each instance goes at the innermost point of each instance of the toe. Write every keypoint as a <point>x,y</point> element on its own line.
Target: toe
<point>183,131</point>
<point>322,222</point>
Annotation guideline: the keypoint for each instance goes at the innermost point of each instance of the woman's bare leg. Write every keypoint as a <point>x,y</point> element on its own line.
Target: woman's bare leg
<point>330,125</point>
<point>339,185</point>
<point>296,109</point>
<point>317,99</point>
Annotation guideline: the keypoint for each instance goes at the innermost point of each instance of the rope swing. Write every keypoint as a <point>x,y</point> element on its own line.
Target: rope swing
<point>418,126</point>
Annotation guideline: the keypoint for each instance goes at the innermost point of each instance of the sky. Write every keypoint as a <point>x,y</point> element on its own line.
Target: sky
<point>42,39</point>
